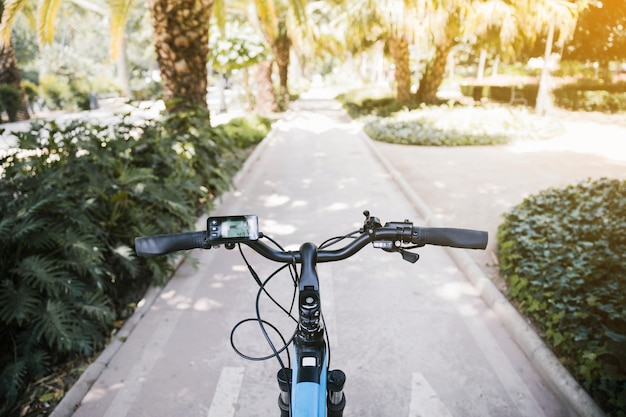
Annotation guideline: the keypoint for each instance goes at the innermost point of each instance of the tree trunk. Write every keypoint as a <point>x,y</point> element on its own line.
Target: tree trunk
<point>436,69</point>
<point>181,41</point>
<point>266,99</point>
<point>544,99</point>
<point>433,76</point>
<point>281,51</point>
<point>480,74</point>
<point>122,70</point>
<point>246,86</point>
<point>9,74</point>
<point>399,49</point>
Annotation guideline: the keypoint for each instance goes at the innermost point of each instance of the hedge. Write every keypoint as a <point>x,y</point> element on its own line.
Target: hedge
<point>10,102</point>
<point>563,255</point>
<point>592,96</point>
<point>72,200</point>
<point>501,93</point>
<point>387,120</point>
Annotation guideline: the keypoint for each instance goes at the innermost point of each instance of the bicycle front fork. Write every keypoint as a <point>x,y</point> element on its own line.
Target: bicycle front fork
<point>335,398</point>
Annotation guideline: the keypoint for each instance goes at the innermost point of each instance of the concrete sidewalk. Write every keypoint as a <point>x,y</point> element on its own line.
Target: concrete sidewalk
<point>413,339</point>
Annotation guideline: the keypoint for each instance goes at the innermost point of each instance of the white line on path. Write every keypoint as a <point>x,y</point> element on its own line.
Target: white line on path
<point>424,399</point>
<point>226,394</point>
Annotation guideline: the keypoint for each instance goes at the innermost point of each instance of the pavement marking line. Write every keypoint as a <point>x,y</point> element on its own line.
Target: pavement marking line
<point>224,402</point>
<point>424,400</point>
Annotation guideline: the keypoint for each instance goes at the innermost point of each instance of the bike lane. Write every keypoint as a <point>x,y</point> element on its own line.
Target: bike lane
<point>413,339</point>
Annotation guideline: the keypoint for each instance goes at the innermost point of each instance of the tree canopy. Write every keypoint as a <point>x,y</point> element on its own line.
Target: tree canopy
<point>601,33</point>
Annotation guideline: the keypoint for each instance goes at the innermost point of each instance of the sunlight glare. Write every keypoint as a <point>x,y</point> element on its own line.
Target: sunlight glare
<point>272,227</point>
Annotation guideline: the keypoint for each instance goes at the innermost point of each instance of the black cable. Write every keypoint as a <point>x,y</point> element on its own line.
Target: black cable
<point>337,239</point>
<point>263,323</point>
<point>262,285</point>
<point>260,358</point>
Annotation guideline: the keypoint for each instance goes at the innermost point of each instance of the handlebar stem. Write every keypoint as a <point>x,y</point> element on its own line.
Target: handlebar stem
<point>311,327</point>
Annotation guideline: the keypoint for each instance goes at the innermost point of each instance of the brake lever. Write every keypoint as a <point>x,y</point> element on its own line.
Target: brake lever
<point>409,256</point>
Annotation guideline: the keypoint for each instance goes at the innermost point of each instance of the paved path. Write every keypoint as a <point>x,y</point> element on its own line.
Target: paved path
<point>474,186</point>
<point>414,340</point>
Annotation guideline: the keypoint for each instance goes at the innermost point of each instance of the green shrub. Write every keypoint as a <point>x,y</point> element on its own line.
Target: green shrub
<point>81,90</point>
<point>460,126</point>
<point>31,90</point>
<point>10,102</point>
<point>247,131</point>
<point>501,93</point>
<point>56,92</point>
<point>563,254</point>
<point>71,203</point>
<point>590,95</point>
<point>146,90</point>
<point>381,104</point>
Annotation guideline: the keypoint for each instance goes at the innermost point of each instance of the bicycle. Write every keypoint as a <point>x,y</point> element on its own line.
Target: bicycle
<point>307,388</point>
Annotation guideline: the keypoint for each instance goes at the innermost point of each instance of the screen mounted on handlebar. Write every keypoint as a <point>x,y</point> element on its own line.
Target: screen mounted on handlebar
<point>232,229</point>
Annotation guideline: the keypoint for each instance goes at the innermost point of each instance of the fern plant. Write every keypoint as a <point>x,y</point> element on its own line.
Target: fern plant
<point>71,203</point>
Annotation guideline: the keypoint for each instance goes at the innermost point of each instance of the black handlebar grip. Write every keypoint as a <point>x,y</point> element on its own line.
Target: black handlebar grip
<point>456,238</point>
<point>164,244</point>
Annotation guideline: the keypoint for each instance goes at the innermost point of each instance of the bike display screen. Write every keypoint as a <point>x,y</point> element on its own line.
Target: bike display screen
<point>231,229</point>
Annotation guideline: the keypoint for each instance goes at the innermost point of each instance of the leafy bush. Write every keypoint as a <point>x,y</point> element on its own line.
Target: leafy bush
<point>380,103</point>
<point>142,90</point>
<point>460,126</point>
<point>592,96</point>
<point>10,102</point>
<point>501,93</point>
<point>60,93</point>
<point>563,254</point>
<point>71,202</point>
<point>247,131</point>
<point>56,92</point>
<point>31,90</point>
<point>82,91</point>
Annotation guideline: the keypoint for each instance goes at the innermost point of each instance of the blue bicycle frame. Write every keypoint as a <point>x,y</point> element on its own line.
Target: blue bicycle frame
<point>305,390</point>
<point>310,389</point>
<point>308,396</point>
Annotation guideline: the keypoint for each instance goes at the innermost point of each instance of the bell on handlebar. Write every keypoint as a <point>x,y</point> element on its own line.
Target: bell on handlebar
<point>370,223</point>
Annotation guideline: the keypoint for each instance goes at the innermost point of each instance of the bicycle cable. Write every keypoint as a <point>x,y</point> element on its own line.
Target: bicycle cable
<point>263,323</point>
<point>292,266</point>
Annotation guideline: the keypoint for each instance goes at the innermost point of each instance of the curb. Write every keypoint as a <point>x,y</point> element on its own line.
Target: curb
<point>543,360</point>
<point>75,395</point>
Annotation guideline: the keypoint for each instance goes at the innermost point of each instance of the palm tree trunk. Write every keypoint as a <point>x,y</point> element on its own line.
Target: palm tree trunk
<point>281,55</point>
<point>433,77</point>
<point>266,99</point>
<point>122,70</point>
<point>436,69</point>
<point>10,75</point>
<point>181,41</point>
<point>399,49</point>
<point>246,86</point>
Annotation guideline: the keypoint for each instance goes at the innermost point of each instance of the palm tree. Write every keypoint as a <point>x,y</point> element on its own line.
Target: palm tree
<point>180,31</point>
<point>546,17</point>
<point>181,41</point>
<point>396,22</point>
<point>9,73</point>
<point>277,19</point>
<point>43,17</point>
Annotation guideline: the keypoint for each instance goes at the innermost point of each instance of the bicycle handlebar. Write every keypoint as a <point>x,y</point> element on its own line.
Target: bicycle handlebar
<point>393,233</point>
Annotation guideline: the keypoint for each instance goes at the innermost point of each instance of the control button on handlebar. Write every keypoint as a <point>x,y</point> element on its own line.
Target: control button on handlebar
<point>383,244</point>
